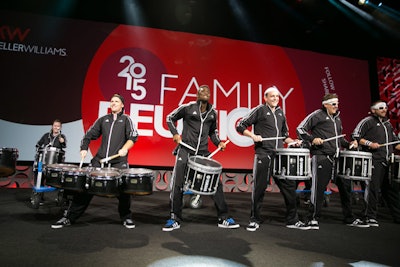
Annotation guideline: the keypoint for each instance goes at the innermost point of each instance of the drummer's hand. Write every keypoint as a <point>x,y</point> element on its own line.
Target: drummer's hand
<point>122,152</point>
<point>374,145</point>
<point>61,140</point>
<point>177,138</point>
<point>296,143</point>
<point>317,141</point>
<point>256,138</point>
<point>83,154</point>
<point>221,146</point>
<point>353,144</point>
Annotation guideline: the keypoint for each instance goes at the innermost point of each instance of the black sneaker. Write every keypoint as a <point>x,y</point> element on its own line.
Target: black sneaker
<point>358,223</point>
<point>372,222</point>
<point>128,223</point>
<point>228,223</point>
<point>171,225</point>
<point>61,223</point>
<point>299,225</point>
<point>313,224</point>
<point>252,226</point>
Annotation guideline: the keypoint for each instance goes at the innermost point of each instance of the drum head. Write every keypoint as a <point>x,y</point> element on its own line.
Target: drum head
<point>356,154</point>
<point>137,171</point>
<point>205,161</point>
<point>292,151</point>
<point>62,166</point>
<point>105,172</point>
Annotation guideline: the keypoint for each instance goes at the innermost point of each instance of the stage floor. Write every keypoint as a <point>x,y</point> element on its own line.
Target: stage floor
<point>98,238</point>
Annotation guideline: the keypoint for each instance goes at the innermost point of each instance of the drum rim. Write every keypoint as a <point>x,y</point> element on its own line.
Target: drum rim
<point>205,158</point>
<point>128,171</point>
<point>350,152</point>
<point>297,150</point>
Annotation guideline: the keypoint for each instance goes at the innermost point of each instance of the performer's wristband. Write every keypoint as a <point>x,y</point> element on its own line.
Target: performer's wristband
<point>368,143</point>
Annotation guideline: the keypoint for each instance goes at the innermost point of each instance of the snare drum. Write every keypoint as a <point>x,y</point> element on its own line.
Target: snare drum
<point>51,155</point>
<point>74,179</point>
<point>54,174</point>
<point>355,165</point>
<point>104,182</point>
<point>292,164</point>
<point>8,159</point>
<point>202,175</point>
<point>137,181</point>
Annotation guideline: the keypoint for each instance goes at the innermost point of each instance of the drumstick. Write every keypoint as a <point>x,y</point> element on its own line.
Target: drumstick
<point>216,150</point>
<point>334,137</point>
<point>391,143</point>
<point>80,164</point>
<point>109,158</point>
<point>272,138</point>
<point>186,145</point>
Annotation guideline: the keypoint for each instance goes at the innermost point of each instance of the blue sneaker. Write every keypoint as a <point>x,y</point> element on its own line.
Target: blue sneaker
<point>228,223</point>
<point>171,225</point>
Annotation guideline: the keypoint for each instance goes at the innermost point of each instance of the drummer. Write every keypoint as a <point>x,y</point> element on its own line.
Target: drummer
<point>118,136</point>
<point>199,124</point>
<point>321,124</point>
<point>372,133</point>
<point>53,138</point>
<point>268,120</point>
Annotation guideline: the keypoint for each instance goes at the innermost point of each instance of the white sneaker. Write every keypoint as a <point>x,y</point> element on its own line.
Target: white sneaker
<point>253,226</point>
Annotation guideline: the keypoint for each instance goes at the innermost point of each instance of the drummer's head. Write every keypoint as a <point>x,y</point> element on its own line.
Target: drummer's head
<point>203,94</point>
<point>330,102</point>
<point>379,108</point>
<point>271,96</point>
<point>117,103</point>
<point>56,126</point>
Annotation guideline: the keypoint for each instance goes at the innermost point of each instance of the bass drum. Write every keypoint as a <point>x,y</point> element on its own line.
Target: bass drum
<point>8,161</point>
<point>137,181</point>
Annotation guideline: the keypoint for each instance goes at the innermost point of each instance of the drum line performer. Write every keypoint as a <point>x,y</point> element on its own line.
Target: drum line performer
<point>268,120</point>
<point>118,136</point>
<point>199,124</point>
<point>321,124</point>
<point>372,132</point>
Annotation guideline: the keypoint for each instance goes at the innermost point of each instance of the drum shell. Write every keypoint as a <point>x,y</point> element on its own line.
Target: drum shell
<point>292,164</point>
<point>104,182</point>
<point>137,181</point>
<point>54,174</point>
<point>75,179</point>
<point>51,155</point>
<point>8,161</point>
<point>396,170</point>
<point>355,165</point>
<point>202,175</point>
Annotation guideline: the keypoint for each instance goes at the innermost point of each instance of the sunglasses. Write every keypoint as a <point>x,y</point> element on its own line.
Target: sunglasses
<point>382,108</point>
<point>334,104</point>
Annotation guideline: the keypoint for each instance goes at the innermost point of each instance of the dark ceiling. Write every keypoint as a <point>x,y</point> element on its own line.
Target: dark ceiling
<point>327,26</point>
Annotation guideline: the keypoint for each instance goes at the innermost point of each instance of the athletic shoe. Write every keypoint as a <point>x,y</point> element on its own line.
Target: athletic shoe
<point>61,223</point>
<point>128,223</point>
<point>252,226</point>
<point>358,223</point>
<point>171,225</point>
<point>372,222</point>
<point>313,224</point>
<point>228,223</point>
<point>299,225</point>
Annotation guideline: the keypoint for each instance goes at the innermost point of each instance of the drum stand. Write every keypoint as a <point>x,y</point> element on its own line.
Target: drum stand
<point>38,190</point>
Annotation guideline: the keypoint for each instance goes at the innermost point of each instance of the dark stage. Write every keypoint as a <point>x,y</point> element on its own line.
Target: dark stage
<point>98,238</point>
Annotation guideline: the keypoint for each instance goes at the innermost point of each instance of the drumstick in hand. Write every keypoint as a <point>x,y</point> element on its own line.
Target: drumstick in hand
<point>109,158</point>
<point>218,149</point>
